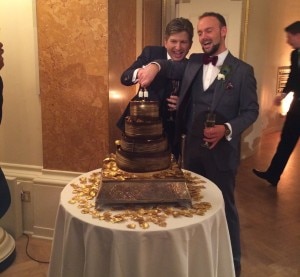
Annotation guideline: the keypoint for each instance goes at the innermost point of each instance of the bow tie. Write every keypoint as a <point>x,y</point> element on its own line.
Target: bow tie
<point>208,59</point>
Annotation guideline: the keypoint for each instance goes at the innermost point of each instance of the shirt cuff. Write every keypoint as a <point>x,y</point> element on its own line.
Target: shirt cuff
<point>134,76</point>
<point>158,65</point>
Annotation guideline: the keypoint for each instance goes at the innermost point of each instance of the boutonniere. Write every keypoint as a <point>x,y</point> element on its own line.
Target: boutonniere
<point>223,75</point>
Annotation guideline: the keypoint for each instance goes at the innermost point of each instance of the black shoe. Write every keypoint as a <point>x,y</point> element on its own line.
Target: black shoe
<point>265,175</point>
<point>237,269</point>
<point>237,272</point>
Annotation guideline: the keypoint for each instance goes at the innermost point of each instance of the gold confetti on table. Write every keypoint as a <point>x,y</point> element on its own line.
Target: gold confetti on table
<point>85,191</point>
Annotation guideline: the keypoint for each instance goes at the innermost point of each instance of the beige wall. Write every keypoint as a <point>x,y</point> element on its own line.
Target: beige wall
<point>21,128</point>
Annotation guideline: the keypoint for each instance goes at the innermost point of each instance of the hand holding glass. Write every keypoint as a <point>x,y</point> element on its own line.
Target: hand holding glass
<point>209,123</point>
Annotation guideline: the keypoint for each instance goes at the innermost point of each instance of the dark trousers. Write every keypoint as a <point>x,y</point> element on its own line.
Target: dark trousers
<point>288,141</point>
<point>205,165</point>
<point>4,195</point>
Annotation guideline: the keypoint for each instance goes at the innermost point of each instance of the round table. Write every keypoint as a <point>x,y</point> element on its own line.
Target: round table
<point>197,246</point>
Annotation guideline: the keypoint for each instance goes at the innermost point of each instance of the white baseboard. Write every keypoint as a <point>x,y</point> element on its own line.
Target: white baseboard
<point>44,186</point>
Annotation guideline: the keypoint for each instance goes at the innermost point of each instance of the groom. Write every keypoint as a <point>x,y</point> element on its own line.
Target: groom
<point>218,82</point>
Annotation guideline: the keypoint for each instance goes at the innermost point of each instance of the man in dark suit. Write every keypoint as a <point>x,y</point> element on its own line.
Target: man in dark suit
<point>291,128</point>
<point>1,83</point>
<point>225,86</point>
<point>177,43</point>
<point>4,190</point>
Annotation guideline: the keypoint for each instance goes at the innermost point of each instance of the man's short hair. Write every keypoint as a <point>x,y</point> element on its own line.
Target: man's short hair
<point>294,28</point>
<point>218,16</point>
<point>178,25</point>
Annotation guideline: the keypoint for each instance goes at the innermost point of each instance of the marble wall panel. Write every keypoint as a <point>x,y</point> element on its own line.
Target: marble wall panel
<point>122,52</point>
<point>73,61</point>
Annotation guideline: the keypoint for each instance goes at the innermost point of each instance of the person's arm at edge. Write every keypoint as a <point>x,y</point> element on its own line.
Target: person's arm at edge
<point>167,68</point>
<point>130,76</point>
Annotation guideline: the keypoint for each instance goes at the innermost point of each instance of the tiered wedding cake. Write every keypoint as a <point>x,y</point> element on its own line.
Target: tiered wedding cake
<point>142,171</point>
<point>143,147</point>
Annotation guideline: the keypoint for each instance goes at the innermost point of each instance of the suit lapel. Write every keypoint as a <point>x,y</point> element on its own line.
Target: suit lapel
<point>191,71</point>
<point>220,85</point>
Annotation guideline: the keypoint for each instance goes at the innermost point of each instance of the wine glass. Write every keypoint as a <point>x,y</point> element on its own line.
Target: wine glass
<point>209,122</point>
<point>174,91</point>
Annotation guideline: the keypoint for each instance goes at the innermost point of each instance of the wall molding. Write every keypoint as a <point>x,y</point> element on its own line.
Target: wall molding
<point>36,217</point>
<point>37,174</point>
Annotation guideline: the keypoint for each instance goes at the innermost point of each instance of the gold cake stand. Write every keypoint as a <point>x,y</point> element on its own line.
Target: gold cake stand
<point>123,188</point>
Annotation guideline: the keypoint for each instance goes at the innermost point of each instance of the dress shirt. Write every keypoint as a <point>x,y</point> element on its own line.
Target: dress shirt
<point>210,71</point>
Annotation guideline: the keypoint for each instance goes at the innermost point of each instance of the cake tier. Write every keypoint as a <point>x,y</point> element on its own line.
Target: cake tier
<point>137,127</point>
<point>144,145</point>
<point>146,109</point>
<point>140,162</point>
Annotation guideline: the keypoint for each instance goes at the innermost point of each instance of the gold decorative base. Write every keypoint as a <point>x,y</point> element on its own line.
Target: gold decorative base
<point>144,192</point>
<point>122,188</point>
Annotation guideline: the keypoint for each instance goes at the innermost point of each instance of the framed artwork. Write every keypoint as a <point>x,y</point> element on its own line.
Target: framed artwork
<point>282,77</point>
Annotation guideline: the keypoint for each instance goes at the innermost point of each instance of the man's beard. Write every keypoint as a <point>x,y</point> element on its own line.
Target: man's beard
<point>213,50</point>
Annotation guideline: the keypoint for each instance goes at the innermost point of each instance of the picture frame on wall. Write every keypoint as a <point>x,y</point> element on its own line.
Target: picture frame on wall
<point>282,77</point>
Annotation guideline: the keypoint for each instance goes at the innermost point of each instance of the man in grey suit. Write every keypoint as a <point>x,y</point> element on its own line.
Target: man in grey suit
<point>214,81</point>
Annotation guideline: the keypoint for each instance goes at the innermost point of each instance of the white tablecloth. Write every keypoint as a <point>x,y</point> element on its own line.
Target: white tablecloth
<point>188,247</point>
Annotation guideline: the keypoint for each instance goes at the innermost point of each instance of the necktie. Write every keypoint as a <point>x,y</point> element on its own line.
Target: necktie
<point>210,59</point>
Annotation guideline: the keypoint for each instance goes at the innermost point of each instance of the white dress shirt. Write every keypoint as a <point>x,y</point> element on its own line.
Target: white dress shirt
<point>211,71</point>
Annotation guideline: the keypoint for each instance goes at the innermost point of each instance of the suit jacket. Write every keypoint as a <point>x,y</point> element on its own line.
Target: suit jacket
<point>293,82</point>
<point>159,88</point>
<point>1,98</point>
<point>4,190</point>
<point>234,101</point>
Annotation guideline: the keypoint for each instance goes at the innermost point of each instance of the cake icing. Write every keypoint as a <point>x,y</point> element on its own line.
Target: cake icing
<point>143,147</point>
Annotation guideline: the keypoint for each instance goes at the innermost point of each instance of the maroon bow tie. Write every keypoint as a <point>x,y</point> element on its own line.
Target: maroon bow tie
<point>208,59</point>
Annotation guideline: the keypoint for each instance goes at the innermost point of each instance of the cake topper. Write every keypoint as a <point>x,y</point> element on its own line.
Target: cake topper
<point>143,94</point>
